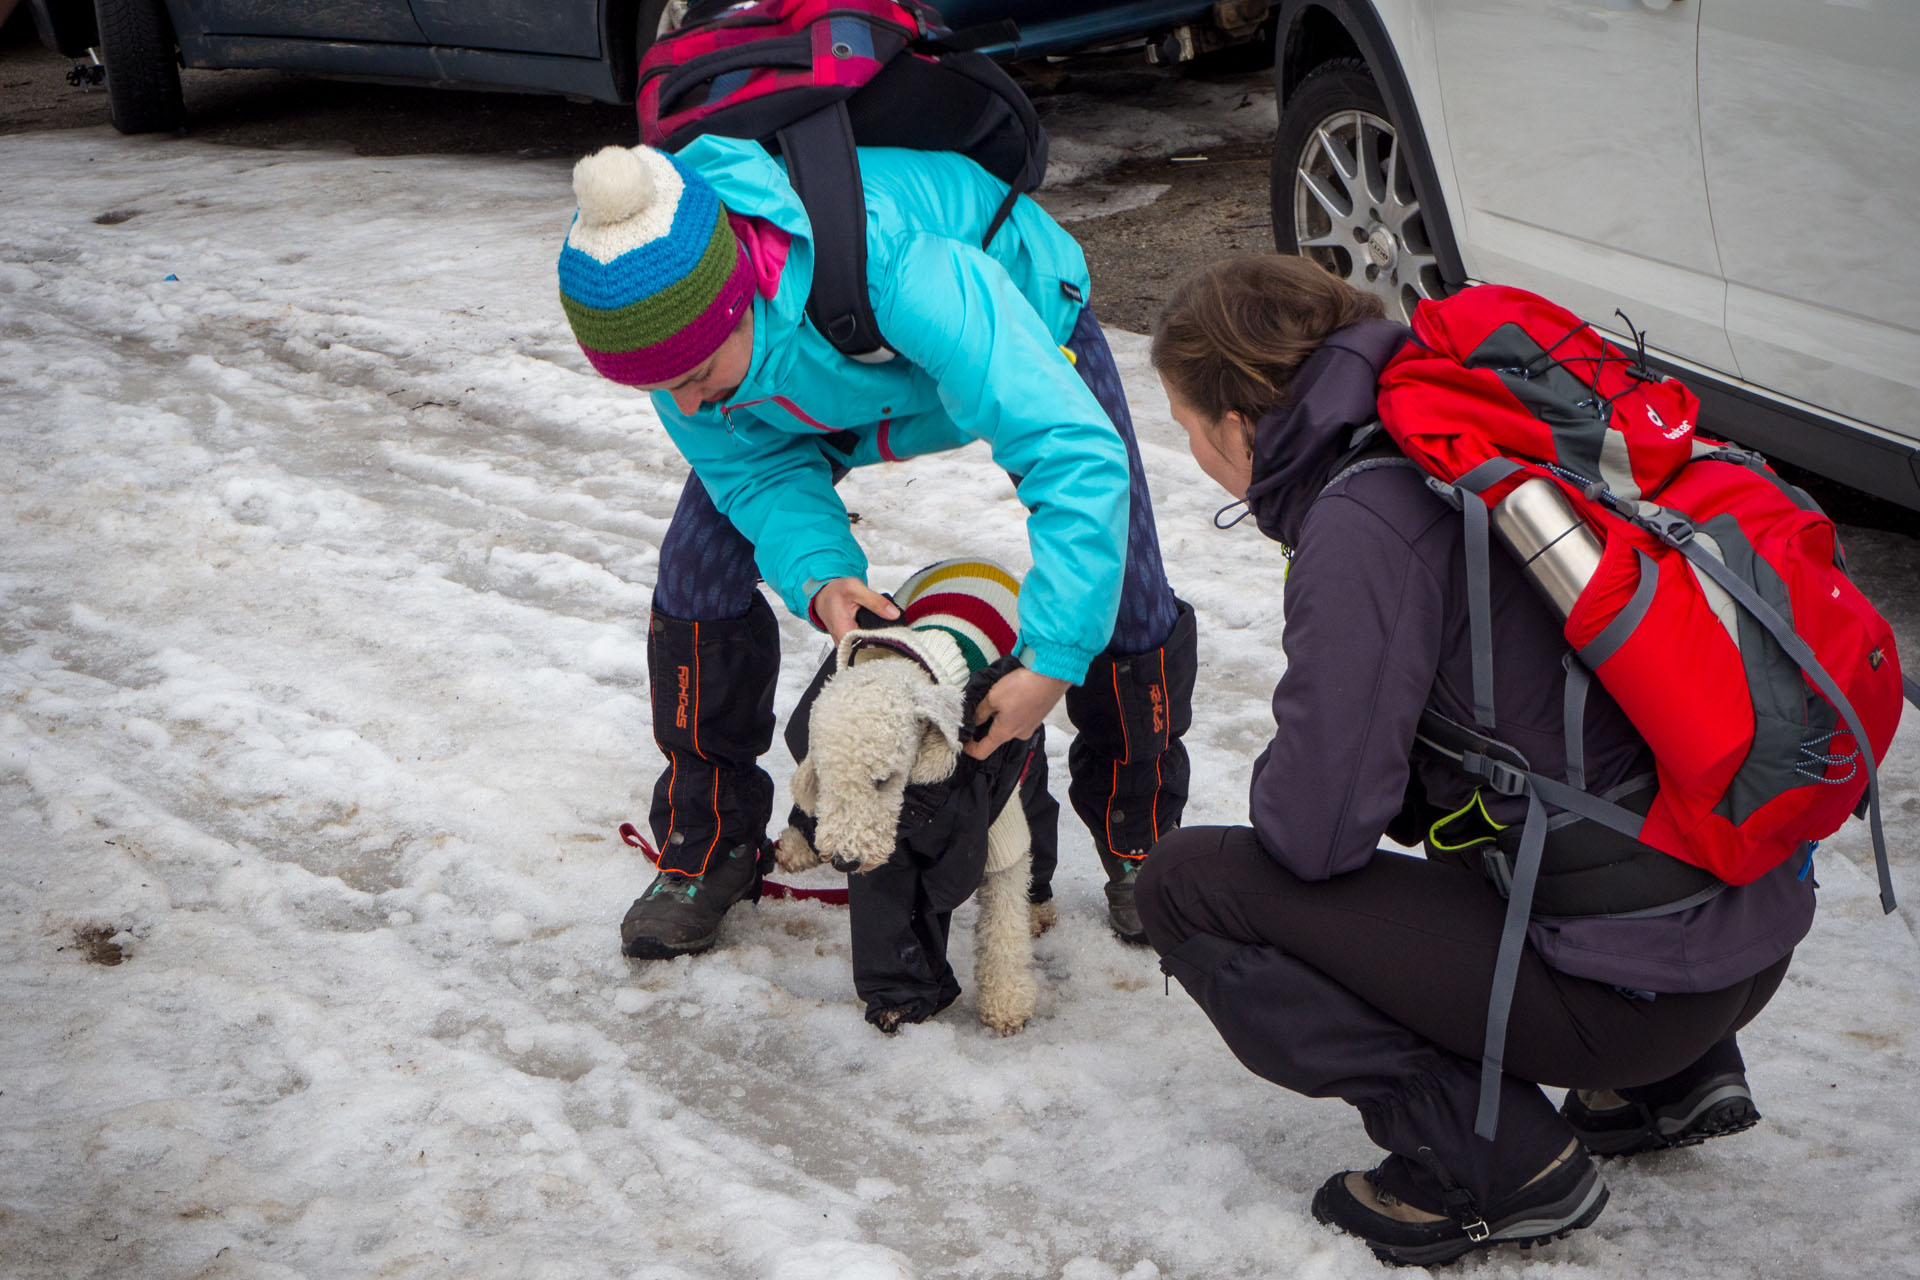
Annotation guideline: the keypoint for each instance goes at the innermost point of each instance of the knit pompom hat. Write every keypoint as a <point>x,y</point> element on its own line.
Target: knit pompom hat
<point>651,276</point>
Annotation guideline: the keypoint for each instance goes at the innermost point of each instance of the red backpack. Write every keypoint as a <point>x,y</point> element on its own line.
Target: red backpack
<point>813,79</point>
<point>1720,616</point>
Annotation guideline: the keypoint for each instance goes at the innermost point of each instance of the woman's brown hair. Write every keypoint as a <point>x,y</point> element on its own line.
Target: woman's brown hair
<point>1235,332</point>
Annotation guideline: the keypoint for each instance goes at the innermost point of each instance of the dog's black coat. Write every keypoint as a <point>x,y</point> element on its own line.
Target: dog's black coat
<point>900,911</point>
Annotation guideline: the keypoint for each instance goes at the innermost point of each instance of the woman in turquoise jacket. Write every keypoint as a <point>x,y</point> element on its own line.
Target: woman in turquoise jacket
<point>688,276</point>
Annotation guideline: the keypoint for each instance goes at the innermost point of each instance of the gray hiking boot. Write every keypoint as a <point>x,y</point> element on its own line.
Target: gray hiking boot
<point>680,915</point>
<point>1656,1119</point>
<point>1122,872</point>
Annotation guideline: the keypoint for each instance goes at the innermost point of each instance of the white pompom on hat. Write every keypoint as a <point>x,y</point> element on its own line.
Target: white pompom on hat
<point>627,196</point>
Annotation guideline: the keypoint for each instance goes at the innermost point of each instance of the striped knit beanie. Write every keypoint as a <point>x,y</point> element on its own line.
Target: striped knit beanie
<point>652,278</point>
<point>955,618</point>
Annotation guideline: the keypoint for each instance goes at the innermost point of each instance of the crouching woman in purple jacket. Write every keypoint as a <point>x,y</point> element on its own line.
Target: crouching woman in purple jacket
<point>1335,968</point>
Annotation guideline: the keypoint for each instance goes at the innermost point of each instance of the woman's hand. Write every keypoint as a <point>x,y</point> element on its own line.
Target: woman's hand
<point>835,604</point>
<point>1017,704</point>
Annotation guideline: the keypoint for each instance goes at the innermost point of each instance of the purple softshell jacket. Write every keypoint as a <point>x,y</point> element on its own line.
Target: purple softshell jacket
<point>1376,631</point>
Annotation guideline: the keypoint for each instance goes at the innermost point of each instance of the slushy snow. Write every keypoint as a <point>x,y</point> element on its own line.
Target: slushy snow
<point>323,592</point>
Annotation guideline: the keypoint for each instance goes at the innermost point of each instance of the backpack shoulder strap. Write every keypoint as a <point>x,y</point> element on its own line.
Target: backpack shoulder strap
<point>990,76</point>
<point>1369,448</point>
<point>825,172</point>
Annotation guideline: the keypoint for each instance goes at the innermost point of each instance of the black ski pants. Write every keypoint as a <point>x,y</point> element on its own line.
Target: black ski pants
<point>1372,987</point>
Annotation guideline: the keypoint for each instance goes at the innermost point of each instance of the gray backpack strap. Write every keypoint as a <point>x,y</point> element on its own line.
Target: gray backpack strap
<point>1467,499</point>
<point>1573,711</point>
<point>1368,448</point>
<point>1506,964</point>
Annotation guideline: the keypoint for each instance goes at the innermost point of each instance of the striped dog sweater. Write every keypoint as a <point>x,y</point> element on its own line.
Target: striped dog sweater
<point>959,615</point>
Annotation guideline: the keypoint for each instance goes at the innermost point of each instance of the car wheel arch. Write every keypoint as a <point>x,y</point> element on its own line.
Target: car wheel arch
<point>620,36</point>
<point>1310,33</point>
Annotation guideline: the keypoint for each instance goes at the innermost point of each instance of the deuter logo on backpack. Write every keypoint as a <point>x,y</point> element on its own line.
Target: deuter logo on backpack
<point>1685,426</point>
<point>812,80</point>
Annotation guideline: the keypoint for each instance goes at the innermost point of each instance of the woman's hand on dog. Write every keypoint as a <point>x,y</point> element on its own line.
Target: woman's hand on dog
<point>837,602</point>
<point>1013,708</point>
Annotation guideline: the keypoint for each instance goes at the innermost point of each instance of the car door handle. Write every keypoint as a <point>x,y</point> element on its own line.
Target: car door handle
<point>1656,5</point>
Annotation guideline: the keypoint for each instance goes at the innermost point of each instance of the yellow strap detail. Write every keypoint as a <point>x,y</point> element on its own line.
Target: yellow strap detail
<point>1477,802</point>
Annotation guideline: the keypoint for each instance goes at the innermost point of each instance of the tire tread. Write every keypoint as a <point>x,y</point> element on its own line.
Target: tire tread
<point>143,68</point>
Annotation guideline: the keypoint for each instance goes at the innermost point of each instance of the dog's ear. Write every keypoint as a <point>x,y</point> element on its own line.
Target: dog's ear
<point>939,710</point>
<point>805,787</point>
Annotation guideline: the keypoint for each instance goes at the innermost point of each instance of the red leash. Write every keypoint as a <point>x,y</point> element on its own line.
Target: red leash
<point>768,888</point>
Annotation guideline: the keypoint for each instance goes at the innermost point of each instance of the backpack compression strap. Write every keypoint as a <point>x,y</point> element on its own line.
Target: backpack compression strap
<point>1677,532</point>
<point>1507,772</point>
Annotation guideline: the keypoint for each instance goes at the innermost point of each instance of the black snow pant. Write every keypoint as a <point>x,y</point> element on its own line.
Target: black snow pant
<point>1372,987</point>
<point>900,914</point>
<point>714,660</point>
<point>712,684</point>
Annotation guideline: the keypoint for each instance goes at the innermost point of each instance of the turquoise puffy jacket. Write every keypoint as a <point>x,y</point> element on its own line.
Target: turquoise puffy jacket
<point>978,335</point>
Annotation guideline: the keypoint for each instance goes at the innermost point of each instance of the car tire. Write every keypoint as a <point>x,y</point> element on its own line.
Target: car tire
<point>143,67</point>
<point>1343,193</point>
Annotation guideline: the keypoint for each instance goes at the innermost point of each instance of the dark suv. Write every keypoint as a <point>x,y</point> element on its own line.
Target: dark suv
<point>589,48</point>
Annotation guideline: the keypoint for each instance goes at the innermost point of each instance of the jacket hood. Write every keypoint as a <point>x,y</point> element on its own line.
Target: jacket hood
<point>1296,444</point>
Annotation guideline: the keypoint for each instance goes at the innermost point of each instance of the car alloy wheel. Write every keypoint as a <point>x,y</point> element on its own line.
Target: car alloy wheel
<point>1343,193</point>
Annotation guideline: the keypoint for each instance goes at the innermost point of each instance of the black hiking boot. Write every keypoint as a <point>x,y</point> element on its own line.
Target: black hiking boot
<point>1613,1125</point>
<point>679,915</point>
<point>1428,1223</point>
<point>1122,915</point>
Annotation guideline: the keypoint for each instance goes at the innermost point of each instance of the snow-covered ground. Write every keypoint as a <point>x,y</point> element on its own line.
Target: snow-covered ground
<point>324,566</point>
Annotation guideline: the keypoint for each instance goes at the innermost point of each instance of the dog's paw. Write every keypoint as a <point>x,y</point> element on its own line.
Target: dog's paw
<point>1041,916</point>
<point>793,853</point>
<point>892,1019</point>
<point>1007,1001</point>
<point>1005,1023</point>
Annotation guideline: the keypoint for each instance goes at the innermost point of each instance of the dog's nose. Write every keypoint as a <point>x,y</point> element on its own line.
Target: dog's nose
<point>843,863</point>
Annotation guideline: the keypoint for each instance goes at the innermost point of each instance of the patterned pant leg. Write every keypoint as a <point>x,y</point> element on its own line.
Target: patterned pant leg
<point>713,658</point>
<point>1127,766</point>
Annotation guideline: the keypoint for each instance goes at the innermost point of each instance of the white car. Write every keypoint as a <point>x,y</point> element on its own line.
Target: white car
<point>1741,178</point>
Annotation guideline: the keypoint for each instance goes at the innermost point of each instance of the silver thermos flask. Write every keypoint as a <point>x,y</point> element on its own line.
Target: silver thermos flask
<point>1555,546</point>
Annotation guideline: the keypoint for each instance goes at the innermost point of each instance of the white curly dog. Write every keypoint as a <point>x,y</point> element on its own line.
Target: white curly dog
<point>883,721</point>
